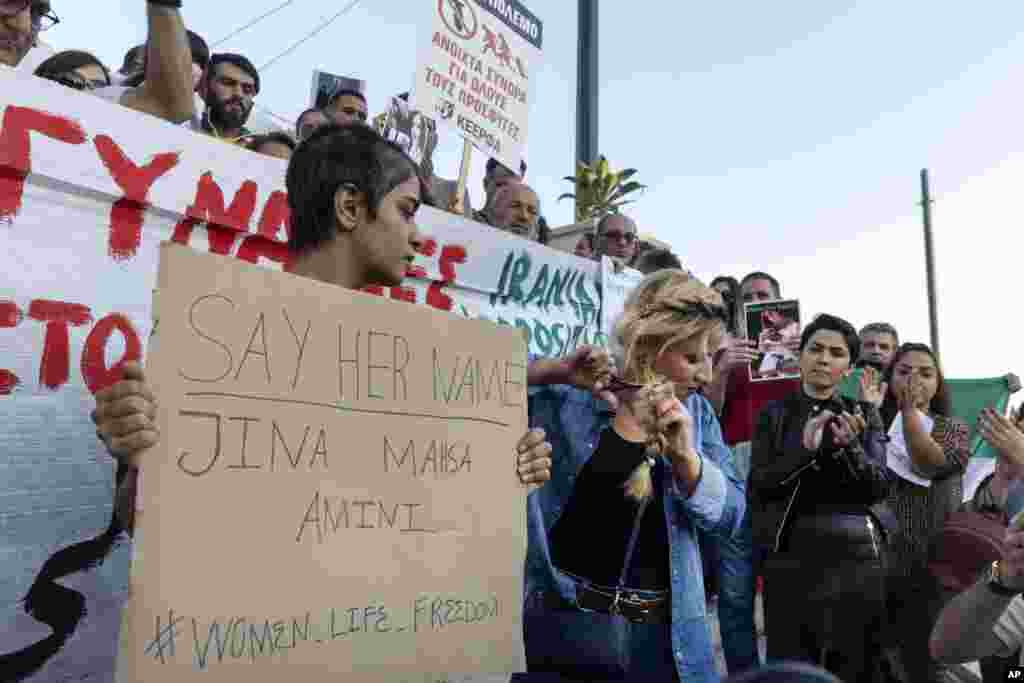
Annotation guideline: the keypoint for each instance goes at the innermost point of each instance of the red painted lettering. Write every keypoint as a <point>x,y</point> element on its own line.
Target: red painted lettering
<point>255,246</point>
<point>276,217</point>
<point>209,204</point>
<point>135,182</point>
<point>403,294</point>
<point>94,366</point>
<point>16,150</point>
<point>220,239</point>
<point>427,247</point>
<point>450,255</point>
<point>222,222</point>
<point>10,316</point>
<point>54,369</point>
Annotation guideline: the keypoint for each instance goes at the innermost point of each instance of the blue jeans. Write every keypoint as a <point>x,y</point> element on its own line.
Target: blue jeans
<point>731,561</point>
<point>591,646</point>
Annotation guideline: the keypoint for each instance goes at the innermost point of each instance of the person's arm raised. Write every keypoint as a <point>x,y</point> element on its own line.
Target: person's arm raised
<point>926,455</point>
<point>167,91</point>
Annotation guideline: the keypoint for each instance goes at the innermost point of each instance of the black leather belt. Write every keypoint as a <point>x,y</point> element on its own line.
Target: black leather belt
<point>838,535</point>
<point>630,606</point>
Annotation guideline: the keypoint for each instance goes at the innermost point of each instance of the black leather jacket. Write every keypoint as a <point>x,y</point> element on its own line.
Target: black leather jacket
<point>786,479</point>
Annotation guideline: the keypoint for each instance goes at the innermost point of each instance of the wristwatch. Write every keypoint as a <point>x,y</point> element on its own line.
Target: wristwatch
<point>993,580</point>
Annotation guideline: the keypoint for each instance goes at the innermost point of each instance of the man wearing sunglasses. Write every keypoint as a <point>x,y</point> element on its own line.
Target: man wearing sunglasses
<point>21,22</point>
<point>617,238</point>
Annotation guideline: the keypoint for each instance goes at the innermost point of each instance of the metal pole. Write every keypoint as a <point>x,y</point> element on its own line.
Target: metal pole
<point>586,83</point>
<point>929,261</point>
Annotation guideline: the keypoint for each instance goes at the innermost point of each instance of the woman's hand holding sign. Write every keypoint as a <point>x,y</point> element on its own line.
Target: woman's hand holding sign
<point>125,419</point>
<point>125,416</point>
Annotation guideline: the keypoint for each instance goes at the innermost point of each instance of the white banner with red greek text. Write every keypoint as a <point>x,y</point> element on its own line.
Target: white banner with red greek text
<point>474,72</point>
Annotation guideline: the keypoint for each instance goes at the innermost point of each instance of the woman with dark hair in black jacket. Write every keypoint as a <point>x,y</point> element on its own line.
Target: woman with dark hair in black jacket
<point>817,470</point>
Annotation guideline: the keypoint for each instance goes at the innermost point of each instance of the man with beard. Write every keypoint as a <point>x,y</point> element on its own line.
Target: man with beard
<point>517,210</point>
<point>229,87</point>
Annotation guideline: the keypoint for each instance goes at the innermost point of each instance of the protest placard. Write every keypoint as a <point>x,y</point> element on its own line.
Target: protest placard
<point>476,65</point>
<point>334,491</point>
<point>413,131</point>
<point>775,325</point>
<point>326,87</point>
<point>90,191</point>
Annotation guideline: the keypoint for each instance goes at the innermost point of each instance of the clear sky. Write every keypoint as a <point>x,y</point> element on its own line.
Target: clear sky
<point>782,136</point>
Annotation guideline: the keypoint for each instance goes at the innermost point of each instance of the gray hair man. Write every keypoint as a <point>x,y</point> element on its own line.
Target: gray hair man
<point>517,210</point>
<point>878,344</point>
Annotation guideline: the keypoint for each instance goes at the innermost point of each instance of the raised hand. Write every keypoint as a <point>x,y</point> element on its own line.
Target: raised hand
<point>1003,435</point>
<point>738,352</point>
<point>910,396</point>
<point>814,430</point>
<point>871,390</point>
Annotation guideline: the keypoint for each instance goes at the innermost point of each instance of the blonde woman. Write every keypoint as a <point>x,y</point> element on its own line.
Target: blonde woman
<point>614,579</point>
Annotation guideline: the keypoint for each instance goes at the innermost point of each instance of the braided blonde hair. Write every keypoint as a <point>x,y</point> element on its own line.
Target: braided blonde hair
<point>661,312</point>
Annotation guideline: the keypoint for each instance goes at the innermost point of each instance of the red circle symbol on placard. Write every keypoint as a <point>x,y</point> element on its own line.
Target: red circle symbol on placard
<point>459,17</point>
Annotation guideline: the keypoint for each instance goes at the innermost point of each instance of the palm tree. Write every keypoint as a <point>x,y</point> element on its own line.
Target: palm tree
<point>599,190</point>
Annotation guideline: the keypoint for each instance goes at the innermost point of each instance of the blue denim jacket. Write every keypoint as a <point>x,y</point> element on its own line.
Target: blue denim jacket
<point>574,420</point>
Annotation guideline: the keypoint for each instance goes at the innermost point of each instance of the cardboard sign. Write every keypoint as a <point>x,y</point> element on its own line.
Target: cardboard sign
<point>334,492</point>
<point>476,65</point>
<point>91,191</point>
<point>775,325</point>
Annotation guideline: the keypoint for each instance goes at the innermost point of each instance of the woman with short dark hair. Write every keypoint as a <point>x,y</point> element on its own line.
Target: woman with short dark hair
<point>817,471</point>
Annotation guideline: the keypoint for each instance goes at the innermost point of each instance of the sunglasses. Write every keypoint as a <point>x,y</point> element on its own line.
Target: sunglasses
<point>42,17</point>
<point>73,80</point>
<point>615,236</point>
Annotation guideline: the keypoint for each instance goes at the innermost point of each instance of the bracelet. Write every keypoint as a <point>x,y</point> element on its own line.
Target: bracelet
<point>169,4</point>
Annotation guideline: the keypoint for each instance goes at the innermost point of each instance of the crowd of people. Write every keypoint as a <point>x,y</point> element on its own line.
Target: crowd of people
<point>697,480</point>
<point>175,77</point>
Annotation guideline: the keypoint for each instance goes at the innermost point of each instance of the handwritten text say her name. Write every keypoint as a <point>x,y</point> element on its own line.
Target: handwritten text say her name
<point>228,343</point>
